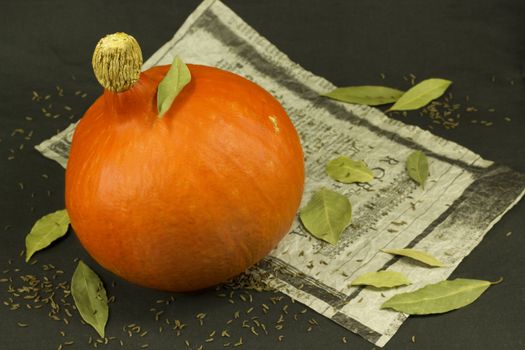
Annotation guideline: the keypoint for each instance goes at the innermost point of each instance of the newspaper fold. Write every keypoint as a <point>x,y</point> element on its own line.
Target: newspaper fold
<point>463,198</point>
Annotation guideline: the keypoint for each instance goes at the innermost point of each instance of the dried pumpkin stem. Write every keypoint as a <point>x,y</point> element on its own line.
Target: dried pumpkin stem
<point>117,61</point>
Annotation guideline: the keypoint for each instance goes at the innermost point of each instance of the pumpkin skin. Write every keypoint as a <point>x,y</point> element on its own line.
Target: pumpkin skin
<point>185,201</point>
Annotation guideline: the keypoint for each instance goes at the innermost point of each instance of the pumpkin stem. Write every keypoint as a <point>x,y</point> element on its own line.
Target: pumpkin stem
<point>117,61</point>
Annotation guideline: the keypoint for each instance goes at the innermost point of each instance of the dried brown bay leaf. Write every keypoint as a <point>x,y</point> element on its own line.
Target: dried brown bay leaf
<point>370,95</point>
<point>416,255</point>
<point>46,230</point>
<point>438,298</point>
<point>346,170</point>
<point>417,167</point>
<point>421,94</point>
<point>381,279</point>
<point>326,215</point>
<point>90,297</point>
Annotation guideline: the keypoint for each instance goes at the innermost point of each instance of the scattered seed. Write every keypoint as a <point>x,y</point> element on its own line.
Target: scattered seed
<point>17,131</point>
<point>398,223</point>
<point>239,343</point>
<point>158,314</point>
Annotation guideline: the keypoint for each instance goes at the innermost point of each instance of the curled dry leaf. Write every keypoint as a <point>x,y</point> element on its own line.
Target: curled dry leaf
<point>417,167</point>
<point>438,298</point>
<point>416,255</point>
<point>346,170</point>
<point>421,94</point>
<point>45,231</point>
<point>175,80</point>
<point>326,215</point>
<point>90,297</point>
<point>370,95</point>
<point>382,279</point>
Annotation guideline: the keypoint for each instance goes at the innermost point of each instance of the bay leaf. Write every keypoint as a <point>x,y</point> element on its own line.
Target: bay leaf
<point>346,170</point>
<point>421,94</point>
<point>326,215</point>
<point>90,297</point>
<point>45,231</point>
<point>381,279</point>
<point>371,95</point>
<point>417,167</point>
<point>416,255</point>
<point>438,298</point>
<point>175,80</point>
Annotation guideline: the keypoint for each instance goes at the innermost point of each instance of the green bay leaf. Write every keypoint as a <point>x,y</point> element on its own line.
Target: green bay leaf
<point>45,231</point>
<point>421,94</point>
<point>371,95</point>
<point>416,255</point>
<point>326,215</point>
<point>417,167</point>
<point>175,80</point>
<point>346,170</point>
<point>381,279</point>
<point>90,297</point>
<point>438,298</point>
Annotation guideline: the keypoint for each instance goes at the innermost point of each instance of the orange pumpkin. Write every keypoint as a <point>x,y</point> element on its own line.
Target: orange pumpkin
<point>189,199</point>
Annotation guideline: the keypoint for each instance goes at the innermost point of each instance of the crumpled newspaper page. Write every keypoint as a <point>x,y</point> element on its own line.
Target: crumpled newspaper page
<point>463,198</point>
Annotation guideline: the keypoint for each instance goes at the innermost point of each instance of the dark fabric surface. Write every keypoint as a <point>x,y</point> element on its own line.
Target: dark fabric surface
<point>480,45</point>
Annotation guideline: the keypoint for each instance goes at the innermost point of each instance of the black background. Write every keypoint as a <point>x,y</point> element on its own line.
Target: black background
<point>479,45</point>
